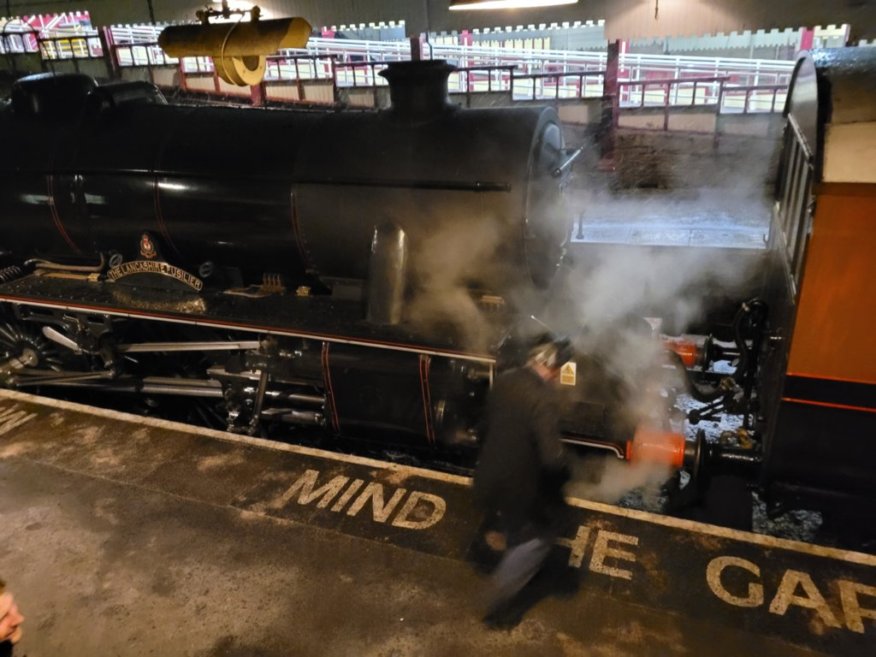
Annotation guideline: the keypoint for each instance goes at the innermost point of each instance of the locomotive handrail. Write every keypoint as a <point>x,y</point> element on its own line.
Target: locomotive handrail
<point>571,157</point>
<point>40,263</point>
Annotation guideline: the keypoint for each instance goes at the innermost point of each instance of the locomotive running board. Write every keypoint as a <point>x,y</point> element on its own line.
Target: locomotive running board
<point>315,318</point>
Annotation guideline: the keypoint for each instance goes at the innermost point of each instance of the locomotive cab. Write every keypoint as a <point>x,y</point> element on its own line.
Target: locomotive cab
<point>819,378</point>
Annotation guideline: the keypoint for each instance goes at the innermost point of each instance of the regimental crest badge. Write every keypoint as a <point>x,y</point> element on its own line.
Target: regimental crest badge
<point>151,270</point>
<point>147,247</point>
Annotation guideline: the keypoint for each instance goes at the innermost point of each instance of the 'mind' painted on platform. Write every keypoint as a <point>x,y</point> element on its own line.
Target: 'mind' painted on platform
<point>412,509</point>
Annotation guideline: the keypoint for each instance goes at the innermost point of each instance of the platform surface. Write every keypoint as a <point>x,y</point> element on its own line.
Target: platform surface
<point>131,536</point>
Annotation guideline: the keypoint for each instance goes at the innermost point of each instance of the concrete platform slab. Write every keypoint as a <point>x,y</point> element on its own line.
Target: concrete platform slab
<point>132,536</point>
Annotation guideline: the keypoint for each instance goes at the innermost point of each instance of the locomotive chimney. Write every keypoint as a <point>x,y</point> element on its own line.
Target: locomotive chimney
<point>418,89</point>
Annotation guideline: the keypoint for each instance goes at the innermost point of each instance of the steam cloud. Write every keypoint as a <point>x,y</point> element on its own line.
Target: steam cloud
<point>445,263</point>
<point>607,298</point>
<point>615,479</point>
<point>602,298</point>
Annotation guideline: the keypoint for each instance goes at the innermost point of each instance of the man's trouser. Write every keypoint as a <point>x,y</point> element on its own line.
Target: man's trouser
<point>518,566</point>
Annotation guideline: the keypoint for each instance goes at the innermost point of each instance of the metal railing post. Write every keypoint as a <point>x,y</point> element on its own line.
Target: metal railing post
<point>610,114</point>
<point>372,68</point>
<point>183,83</point>
<point>216,85</point>
<point>258,94</point>
<point>73,56</point>
<point>299,86</point>
<point>666,105</point>
<point>333,70</point>
<point>110,55</point>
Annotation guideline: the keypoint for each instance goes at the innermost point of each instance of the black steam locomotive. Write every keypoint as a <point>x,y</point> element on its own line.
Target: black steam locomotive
<point>369,272</point>
<point>295,267</point>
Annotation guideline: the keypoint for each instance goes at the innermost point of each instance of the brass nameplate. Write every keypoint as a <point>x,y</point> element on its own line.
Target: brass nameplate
<point>139,267</point>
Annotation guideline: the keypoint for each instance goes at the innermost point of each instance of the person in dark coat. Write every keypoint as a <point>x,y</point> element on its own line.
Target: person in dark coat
<point>521,469</point>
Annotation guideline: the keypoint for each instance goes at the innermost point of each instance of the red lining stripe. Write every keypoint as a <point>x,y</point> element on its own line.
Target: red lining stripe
<point>274,330</point>
<point>329,391</point>
<point>830,378</point>
<point>56,217</point>
<point>844,407</point>
<point>425,366</point>
<point>296,232</point>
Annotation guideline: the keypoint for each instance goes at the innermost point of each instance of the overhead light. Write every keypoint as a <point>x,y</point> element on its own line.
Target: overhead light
<point>470,5</point>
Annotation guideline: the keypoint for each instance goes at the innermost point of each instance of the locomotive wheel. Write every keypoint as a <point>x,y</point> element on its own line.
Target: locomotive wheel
<point>35,350</point>
<point>209,413</point>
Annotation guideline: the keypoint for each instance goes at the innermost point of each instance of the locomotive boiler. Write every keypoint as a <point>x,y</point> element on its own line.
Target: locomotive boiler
<point>296,194</point>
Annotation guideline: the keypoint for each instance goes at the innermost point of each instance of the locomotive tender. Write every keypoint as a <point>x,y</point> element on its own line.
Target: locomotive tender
<point>362,271</point>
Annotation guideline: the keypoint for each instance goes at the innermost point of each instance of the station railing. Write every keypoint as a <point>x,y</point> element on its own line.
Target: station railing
<point>704,92</point>
<point>84,46</point>
<point>730,85</point>
<point>557,86</point>
<point>17,37</point>
<point>18,43</point>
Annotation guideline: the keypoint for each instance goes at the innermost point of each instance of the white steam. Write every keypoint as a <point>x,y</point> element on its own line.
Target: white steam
<point>615,479</point>
<point>610,294</point>
<point>444,265</point>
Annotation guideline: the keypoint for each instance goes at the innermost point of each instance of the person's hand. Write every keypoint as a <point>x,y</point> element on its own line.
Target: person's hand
<point>10,619</point>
